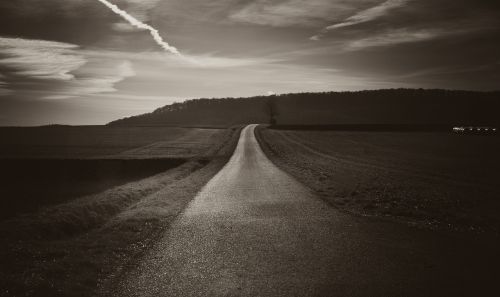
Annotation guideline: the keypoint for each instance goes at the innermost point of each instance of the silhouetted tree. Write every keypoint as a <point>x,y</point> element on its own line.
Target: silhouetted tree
<point>272,108</point>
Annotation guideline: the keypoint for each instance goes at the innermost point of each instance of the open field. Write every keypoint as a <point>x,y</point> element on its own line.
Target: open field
<point>435,179</point>
<point>139,180</point>
<point>104,141</point>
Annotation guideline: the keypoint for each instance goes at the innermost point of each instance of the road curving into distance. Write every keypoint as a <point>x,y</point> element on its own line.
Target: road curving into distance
<point>255,231</point>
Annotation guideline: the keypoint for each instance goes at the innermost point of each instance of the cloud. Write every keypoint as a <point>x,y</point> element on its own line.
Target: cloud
<point>124,27</point>
<point>201,61</point>
<point>364,16</point>
<point>294,12</point>
<point>211,61</point>
<point>57,70</point>
<point>3,89</point>
<point>140,25</point>
<point>369,14</point>
<point>141,9</point>
<point>40,59</point>
<point>100,78</point>
<point>393,37</point>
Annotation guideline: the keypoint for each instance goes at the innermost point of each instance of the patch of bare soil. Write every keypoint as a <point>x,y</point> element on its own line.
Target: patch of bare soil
<point>431,180</point>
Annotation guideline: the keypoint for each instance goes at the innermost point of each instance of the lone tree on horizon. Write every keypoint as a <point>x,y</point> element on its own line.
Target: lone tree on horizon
<point>272,108</point>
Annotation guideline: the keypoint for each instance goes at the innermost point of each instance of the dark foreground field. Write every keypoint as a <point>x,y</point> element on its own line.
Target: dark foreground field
<point>81,203</point>
<point>26,185</point>
<point>430,179</point>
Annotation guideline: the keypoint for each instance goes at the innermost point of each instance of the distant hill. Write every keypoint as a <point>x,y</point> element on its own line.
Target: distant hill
<point>378,107</point>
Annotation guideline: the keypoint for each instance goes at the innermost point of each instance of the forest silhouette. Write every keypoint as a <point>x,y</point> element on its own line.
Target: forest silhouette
<point>390,108</point>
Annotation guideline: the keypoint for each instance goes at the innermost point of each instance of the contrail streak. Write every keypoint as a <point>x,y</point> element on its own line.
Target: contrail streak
<point>138,24</point>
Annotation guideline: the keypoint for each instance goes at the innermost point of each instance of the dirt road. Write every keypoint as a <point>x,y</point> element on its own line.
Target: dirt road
<point>255,231</point>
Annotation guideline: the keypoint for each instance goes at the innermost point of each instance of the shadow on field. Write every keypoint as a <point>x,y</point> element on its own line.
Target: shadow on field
<point>29,184</point>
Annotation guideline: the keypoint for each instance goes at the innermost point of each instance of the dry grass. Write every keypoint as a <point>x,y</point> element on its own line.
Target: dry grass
<point>436,180</point>
<point>73,248</point>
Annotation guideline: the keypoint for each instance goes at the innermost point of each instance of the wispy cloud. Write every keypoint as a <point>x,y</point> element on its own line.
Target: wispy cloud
<point>364,16</point>
<point>369,14</point>
<point>4,90</point>
<point>201,61</point>
<point>140,25</point>
<point>95,80</point>
<point>393,37</point>
<point>292,12</point>
<point>40,59</point>
<point>141,9</point>
<point>60,70</point>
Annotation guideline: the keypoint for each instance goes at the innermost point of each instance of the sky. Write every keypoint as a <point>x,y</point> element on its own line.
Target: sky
<point>87,62</point>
